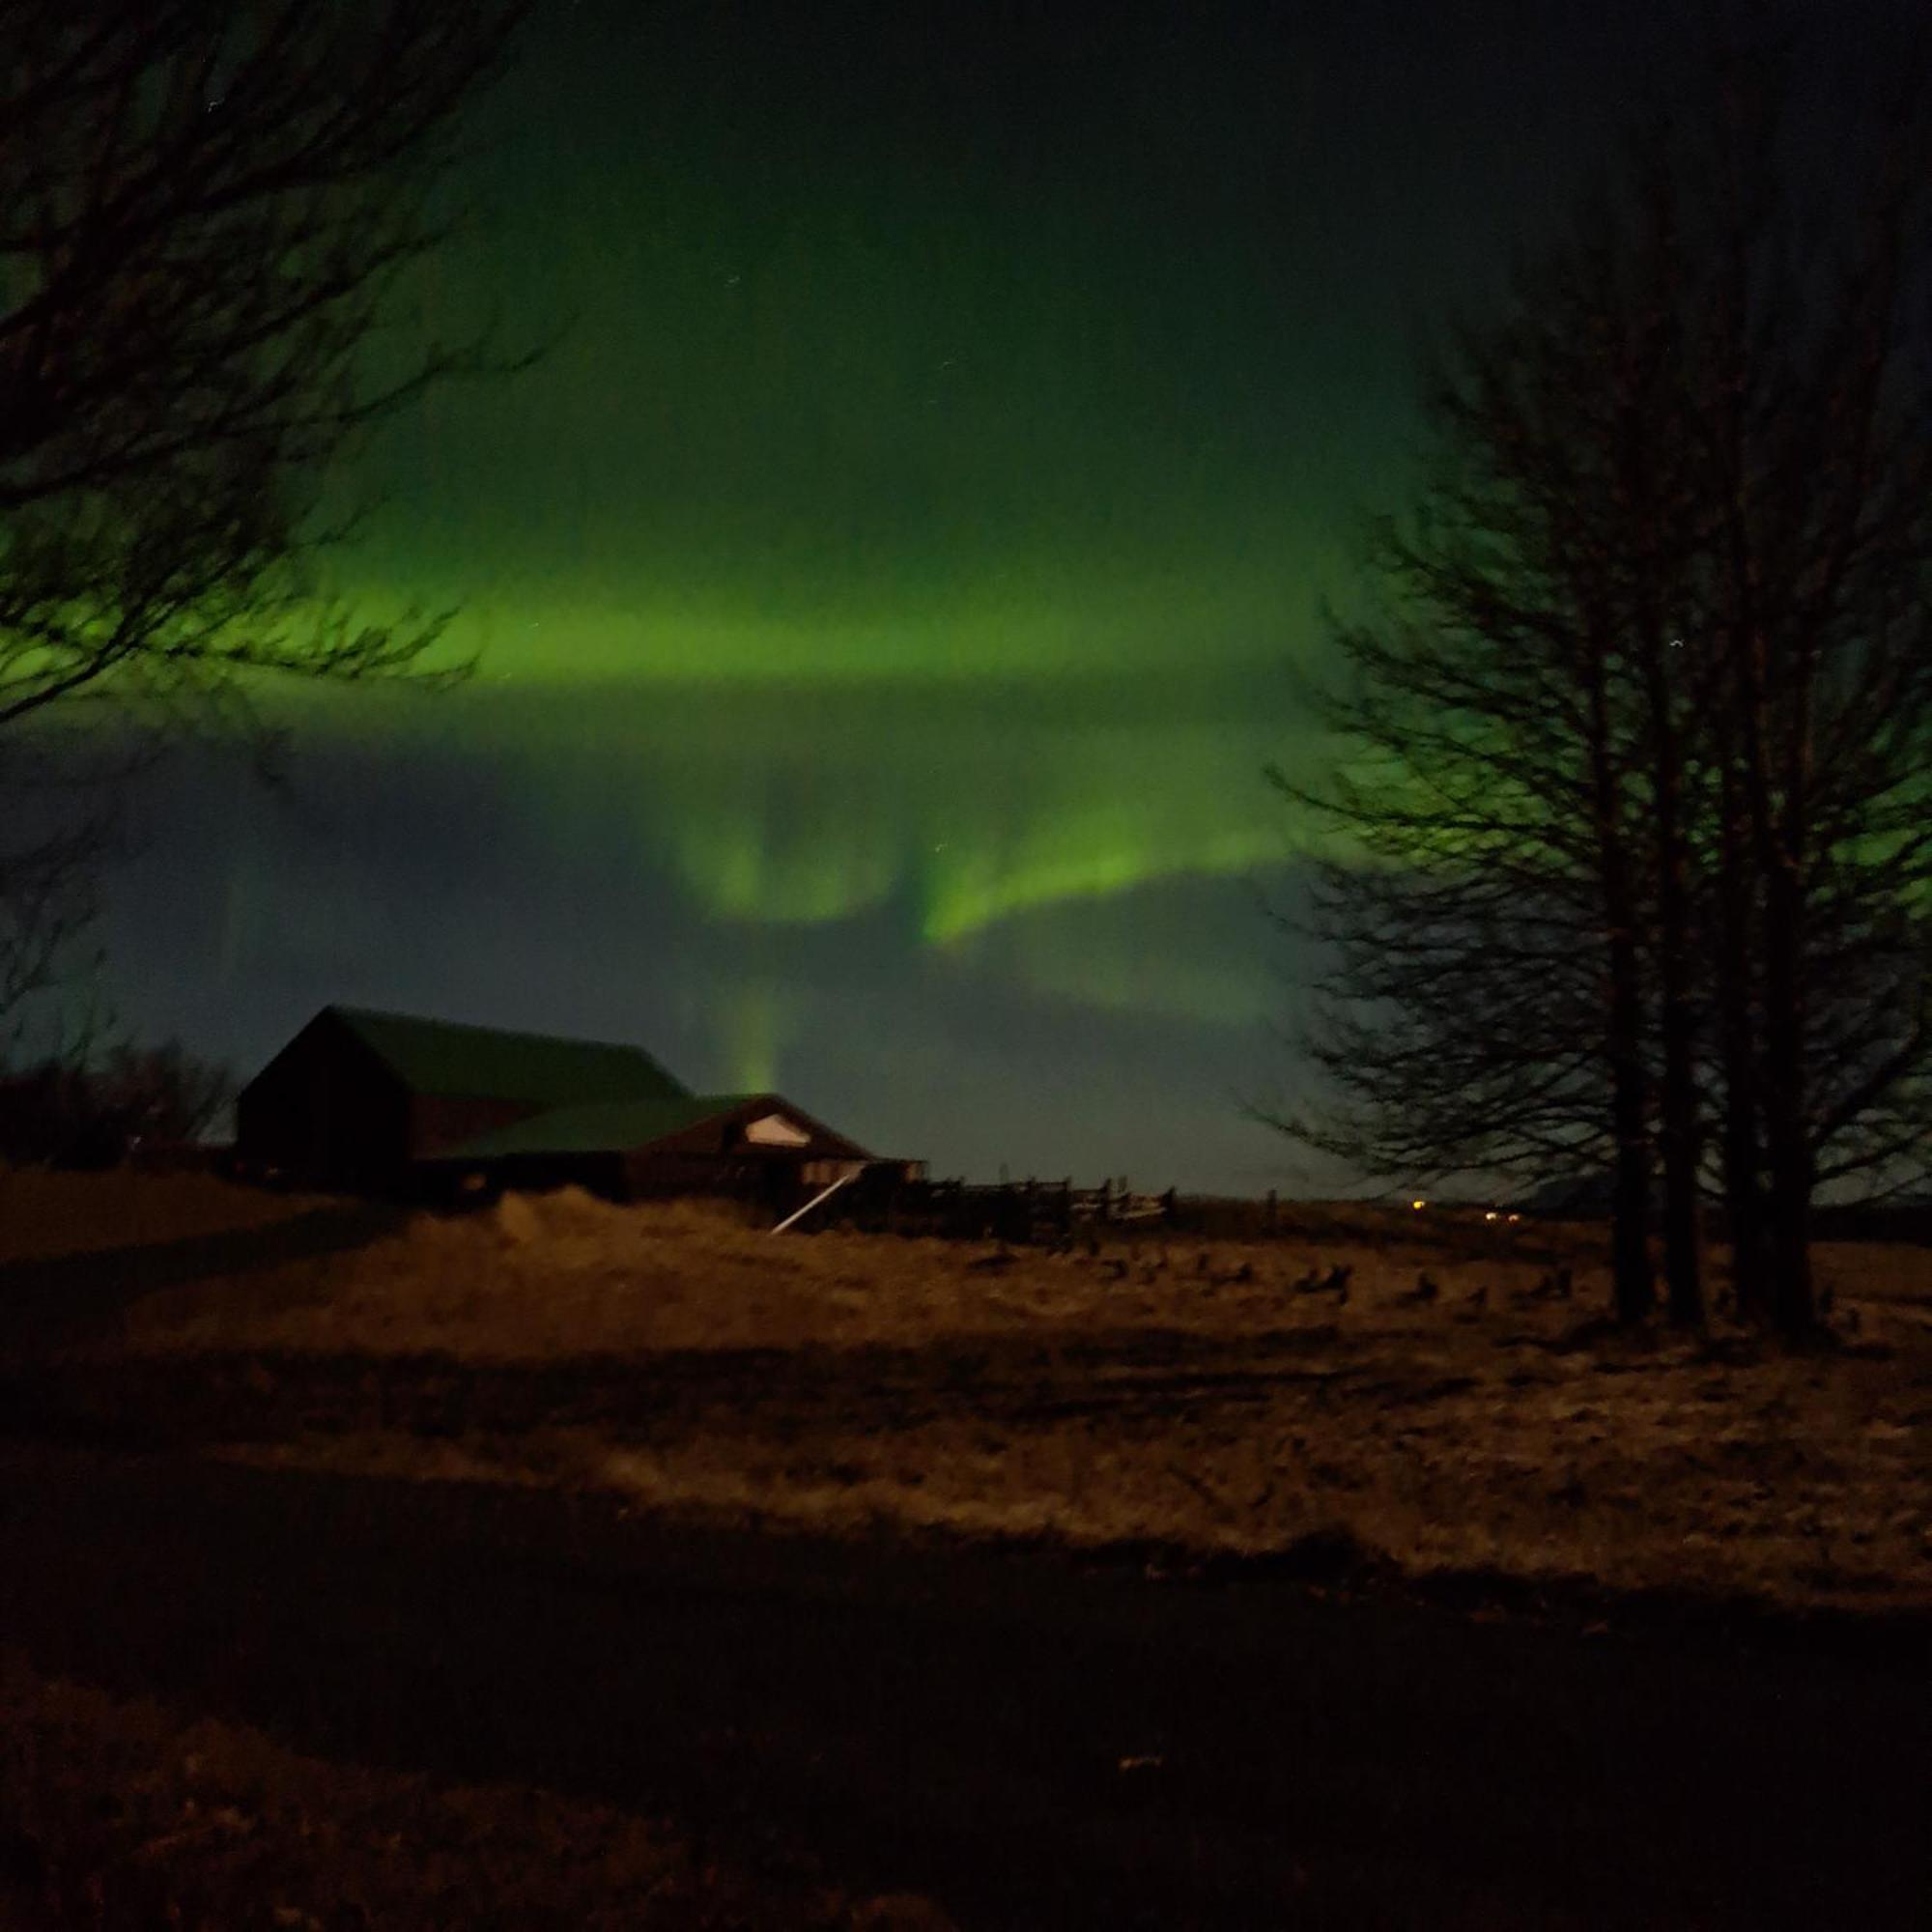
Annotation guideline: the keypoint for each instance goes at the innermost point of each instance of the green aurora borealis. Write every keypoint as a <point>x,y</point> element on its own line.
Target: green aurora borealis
<point>884,583</point>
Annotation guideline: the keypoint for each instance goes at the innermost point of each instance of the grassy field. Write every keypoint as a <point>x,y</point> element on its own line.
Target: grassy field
<point>1181,1397</point>
<point>1171,1393</point>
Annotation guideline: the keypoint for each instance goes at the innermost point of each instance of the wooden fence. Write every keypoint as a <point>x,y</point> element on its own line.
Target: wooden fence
<point>1017,1211</point>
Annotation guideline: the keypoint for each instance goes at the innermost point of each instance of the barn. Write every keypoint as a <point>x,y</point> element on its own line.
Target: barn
<point>386,1102</point>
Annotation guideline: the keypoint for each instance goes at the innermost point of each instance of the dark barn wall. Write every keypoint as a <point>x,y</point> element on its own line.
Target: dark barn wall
<point>476,1183</point>
<point>325,1109</point>
<point>601,1174</point>
<point>438,1122</point>
<point>661,1172</point>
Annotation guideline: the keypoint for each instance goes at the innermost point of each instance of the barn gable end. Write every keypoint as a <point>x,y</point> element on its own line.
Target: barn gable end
<point>327,1107</point>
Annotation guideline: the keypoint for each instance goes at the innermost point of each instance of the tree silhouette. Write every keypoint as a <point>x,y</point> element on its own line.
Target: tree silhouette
<point>88,1109</point>
<point>1816,467</point>
<point>1635,807</point>
<point>204,209</point>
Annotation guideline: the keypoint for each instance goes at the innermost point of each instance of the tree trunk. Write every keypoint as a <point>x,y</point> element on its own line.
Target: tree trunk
<point>1679,1137</point>
<point>1632,1277</point>
<point>1745,1202</point>
<point>1787,1140</point>
<point>1737,987</point>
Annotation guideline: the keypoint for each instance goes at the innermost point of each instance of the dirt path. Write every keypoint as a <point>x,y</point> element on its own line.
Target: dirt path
<point>1032,1744</point>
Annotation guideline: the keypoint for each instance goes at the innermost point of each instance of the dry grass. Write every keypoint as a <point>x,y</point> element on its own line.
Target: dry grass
<point>121,1813</point>
<point>44,1212</point>
<point>1179,1391</point>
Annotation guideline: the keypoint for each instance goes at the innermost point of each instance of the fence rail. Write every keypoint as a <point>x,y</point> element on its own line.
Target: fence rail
<point>1015,1210</point>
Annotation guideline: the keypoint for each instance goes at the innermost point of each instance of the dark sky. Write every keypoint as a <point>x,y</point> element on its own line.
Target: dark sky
<point>884,586</point>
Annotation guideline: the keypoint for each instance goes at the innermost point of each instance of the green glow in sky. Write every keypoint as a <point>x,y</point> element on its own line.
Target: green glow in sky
<point>1097,854</point>
<point>955,420</point>
<point>752,1022</point>
<point>790,805</point>
<point>840,415</point>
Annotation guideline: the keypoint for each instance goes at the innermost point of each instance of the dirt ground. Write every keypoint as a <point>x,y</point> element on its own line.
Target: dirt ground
<point>350,1396</point>
<point>1167,1391</point>
<point>119,1812</point>
<point>1038,1741</point>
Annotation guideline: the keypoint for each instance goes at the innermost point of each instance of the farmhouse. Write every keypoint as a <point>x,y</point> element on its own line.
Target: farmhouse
<point>386,1102</point>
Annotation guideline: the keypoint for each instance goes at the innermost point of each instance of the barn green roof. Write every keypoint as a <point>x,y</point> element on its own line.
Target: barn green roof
<point>615,1126</point>
<point>448,1060</point>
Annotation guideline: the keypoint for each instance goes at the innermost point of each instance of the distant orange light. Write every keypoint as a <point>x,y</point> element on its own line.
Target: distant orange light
<point>1489,1215</point>
<point>1516,1217</point>
<point>1419,1203</point>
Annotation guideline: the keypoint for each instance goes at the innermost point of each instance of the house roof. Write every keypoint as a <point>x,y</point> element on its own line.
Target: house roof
<point>445,1059</point>
<point>612,1127</point>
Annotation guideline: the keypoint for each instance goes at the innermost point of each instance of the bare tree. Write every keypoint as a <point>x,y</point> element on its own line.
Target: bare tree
<point>1815,434</point>
<point>1481,1013</point>
<point>203,210</point>
<point>54,836</point>
<point>1507,920</point>
<point>206,207</point>
<point>1654,666</point>
<point>84,1108</point>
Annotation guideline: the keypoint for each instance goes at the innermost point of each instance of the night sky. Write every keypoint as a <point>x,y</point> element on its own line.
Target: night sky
<point>884,584</point>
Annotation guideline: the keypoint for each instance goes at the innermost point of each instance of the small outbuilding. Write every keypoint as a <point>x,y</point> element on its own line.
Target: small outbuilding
<point>390,1102</point>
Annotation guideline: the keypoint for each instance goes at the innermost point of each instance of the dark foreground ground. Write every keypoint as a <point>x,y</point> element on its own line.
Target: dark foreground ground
<point>1028,1741</point>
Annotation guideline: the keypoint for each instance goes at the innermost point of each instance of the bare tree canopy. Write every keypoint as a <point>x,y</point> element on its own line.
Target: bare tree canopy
<point>84,1110</point>
<point>1639,782</point>
<point>204,208</point>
